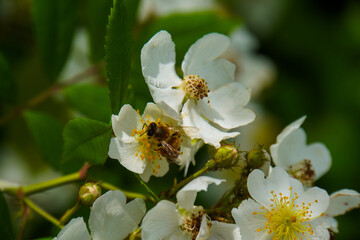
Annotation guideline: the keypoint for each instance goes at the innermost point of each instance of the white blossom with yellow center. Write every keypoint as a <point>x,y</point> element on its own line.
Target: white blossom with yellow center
<point>184,221</point>
<point>138,152</point>
<point>281,209</point>
<point>207,97</point>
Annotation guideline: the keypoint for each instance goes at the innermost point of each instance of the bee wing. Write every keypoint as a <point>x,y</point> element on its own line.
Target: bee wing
<point>190,131</point>
<point>172,154</point>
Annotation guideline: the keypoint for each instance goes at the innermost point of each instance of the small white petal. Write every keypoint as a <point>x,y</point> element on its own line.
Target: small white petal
<point>158,61</point>
<point>125,154</point>
<point>204,231</point>
<point>343,201</point>
<point>125,122</point>
<point>112,219</point>
<point>248,222</point>
<point>290,128</point>
<point>226,106</point>
<point>148,172</point>
<point>318,198</point>
<point>203,59</point>
<point>74,230</point>
<point>220,231</point>
<point>161,222</point>
<point>186,196</point>
<point>260,188</point>
<point>320,227</point>
<point>333,224</point>
<point>208,133</point>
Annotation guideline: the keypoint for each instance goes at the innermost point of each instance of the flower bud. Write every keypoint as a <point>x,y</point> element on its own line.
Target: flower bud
<point>88,193</point>
<point>226,156</point>
<point>257,157</point>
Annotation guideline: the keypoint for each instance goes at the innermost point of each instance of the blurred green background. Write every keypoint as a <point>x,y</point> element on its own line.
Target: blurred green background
<point>314,45</point>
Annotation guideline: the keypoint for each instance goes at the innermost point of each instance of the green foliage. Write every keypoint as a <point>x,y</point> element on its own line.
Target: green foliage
<point>85,140</point>
<point>7,83</point>
<point>91,100</point>
<point>118,54</point>
<point>97,17</point>
<point>6,231</point>
<point>47,133</point>
<point>54,27</point>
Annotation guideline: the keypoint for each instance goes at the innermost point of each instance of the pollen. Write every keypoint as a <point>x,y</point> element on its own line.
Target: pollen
<point>148,149</point>
<point>287,220</point>
<point>196,87</point>
<point>191,223</point>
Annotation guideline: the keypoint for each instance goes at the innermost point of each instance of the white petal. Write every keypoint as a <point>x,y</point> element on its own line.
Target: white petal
<point>248,222</point>
<point>204,231</point>
<point>125,122</point>
<point>125,153</point>
<point>333,224</point>
<point>148,172</point>
<point>208,133</point>
<point>318,198</point>
<point>220,231</point>
<point>158,66</point>
<point>290,128</point>
<point>161,221</point>
<point>186,196</point>
<point>343,201</point>
<point>292,149</point>
<point>320,158</point>
<point>158,61</point>
<point>260,188</point>
<point>203,59</point>
<point>169,98</point>
<point>155,112</point>
<point>188,155</point>
<point>112,219</point>
<point>74,230</point>
<point>226,106</point>
<point>320,227</point>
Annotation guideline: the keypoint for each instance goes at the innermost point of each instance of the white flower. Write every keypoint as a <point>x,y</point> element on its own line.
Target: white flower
<point>111,218</point>
<point>281,209</point>
<point>140,153</point>
<point>341,202</point>
<point>256,72</point>
<point>307,163</point>
<point>207,96</point>
<point>168,220</point>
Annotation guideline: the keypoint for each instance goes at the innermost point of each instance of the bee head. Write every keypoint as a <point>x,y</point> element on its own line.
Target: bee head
<point>151,129</point>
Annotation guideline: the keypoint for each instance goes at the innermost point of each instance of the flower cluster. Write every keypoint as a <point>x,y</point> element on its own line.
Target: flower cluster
<point>207,105</point>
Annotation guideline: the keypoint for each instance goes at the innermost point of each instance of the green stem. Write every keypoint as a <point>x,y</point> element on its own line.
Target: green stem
<point>175,188</point>
<point>157,199</point>
<point>41,212</point>
<point>67,215</point>
<point>131,195</point>
<point>39,187</point>
<point>134,233</point>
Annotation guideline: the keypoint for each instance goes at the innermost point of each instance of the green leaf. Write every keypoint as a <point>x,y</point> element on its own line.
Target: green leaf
<point>118,54</point>
<point>47,133</point>
<point>54,27</point>
<point>91,100</point>
<point>8,89</point>
<point>85,140</point>
<point>6,230</point>
<point>97,17</point>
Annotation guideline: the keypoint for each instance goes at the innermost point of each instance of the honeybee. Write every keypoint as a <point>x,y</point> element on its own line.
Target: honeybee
<point>169,141</point>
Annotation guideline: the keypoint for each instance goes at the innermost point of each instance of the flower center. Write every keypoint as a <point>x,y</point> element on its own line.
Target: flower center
<point>192,222</point>
<point>304,172</point>
<point>195,87</point>
<point>148,149</point>
<point>287,220</point>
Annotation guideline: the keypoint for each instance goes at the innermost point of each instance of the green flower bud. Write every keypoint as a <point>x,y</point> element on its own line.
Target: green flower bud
<point>88,193</point>
<point>226,156</point>
<point>257,157</point>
